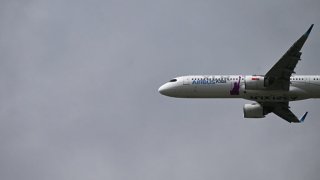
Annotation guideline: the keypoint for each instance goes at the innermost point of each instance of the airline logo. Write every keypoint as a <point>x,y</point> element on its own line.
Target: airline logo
<point>236,88</point>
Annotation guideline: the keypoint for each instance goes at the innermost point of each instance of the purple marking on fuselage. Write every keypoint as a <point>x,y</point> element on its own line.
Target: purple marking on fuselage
<point>236,88</point>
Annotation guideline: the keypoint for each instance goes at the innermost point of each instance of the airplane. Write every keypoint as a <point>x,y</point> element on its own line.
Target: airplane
<point>271,92</point>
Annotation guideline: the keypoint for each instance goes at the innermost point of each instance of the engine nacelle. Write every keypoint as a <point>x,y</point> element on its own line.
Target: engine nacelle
<point>254,110</point>
<point>254,83</point>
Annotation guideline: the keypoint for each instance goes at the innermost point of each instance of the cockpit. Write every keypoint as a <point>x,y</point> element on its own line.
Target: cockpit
<point>173,80</point>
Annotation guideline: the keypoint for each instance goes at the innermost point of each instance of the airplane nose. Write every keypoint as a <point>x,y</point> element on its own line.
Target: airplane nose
<point>162,90</point>
<point>168,89</point>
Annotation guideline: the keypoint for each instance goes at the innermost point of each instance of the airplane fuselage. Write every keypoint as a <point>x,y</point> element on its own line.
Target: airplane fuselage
<point>250,87</point>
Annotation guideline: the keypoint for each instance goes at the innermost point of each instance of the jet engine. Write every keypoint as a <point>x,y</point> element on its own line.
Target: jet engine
<point>254,110</point>
<point>254,83</point>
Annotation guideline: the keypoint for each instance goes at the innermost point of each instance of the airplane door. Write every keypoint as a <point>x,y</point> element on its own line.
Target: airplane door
<point>307,80</point>
<point>186,81</point>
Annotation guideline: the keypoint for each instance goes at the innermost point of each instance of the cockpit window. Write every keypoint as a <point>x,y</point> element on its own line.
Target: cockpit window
<point>173,80</point>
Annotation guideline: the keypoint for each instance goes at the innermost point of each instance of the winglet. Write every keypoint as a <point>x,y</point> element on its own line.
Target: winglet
<point>303,117</point>
<point>309,30</point>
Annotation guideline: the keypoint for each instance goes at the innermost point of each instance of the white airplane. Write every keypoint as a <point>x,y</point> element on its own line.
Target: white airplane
<point>271,92</point>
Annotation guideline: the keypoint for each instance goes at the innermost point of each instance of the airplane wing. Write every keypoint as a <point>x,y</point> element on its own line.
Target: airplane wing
<point>278,77</point>
<point>282,110</point>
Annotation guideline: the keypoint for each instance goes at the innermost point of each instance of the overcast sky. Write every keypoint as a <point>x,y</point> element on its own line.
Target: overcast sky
<point>79,81</point>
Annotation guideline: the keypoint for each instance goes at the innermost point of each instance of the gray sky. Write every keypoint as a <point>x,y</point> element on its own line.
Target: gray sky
<point>79,84</point>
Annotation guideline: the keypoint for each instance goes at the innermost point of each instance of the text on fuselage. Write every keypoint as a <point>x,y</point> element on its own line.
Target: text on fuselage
<point>274,98</point>
<point>209,81</point>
